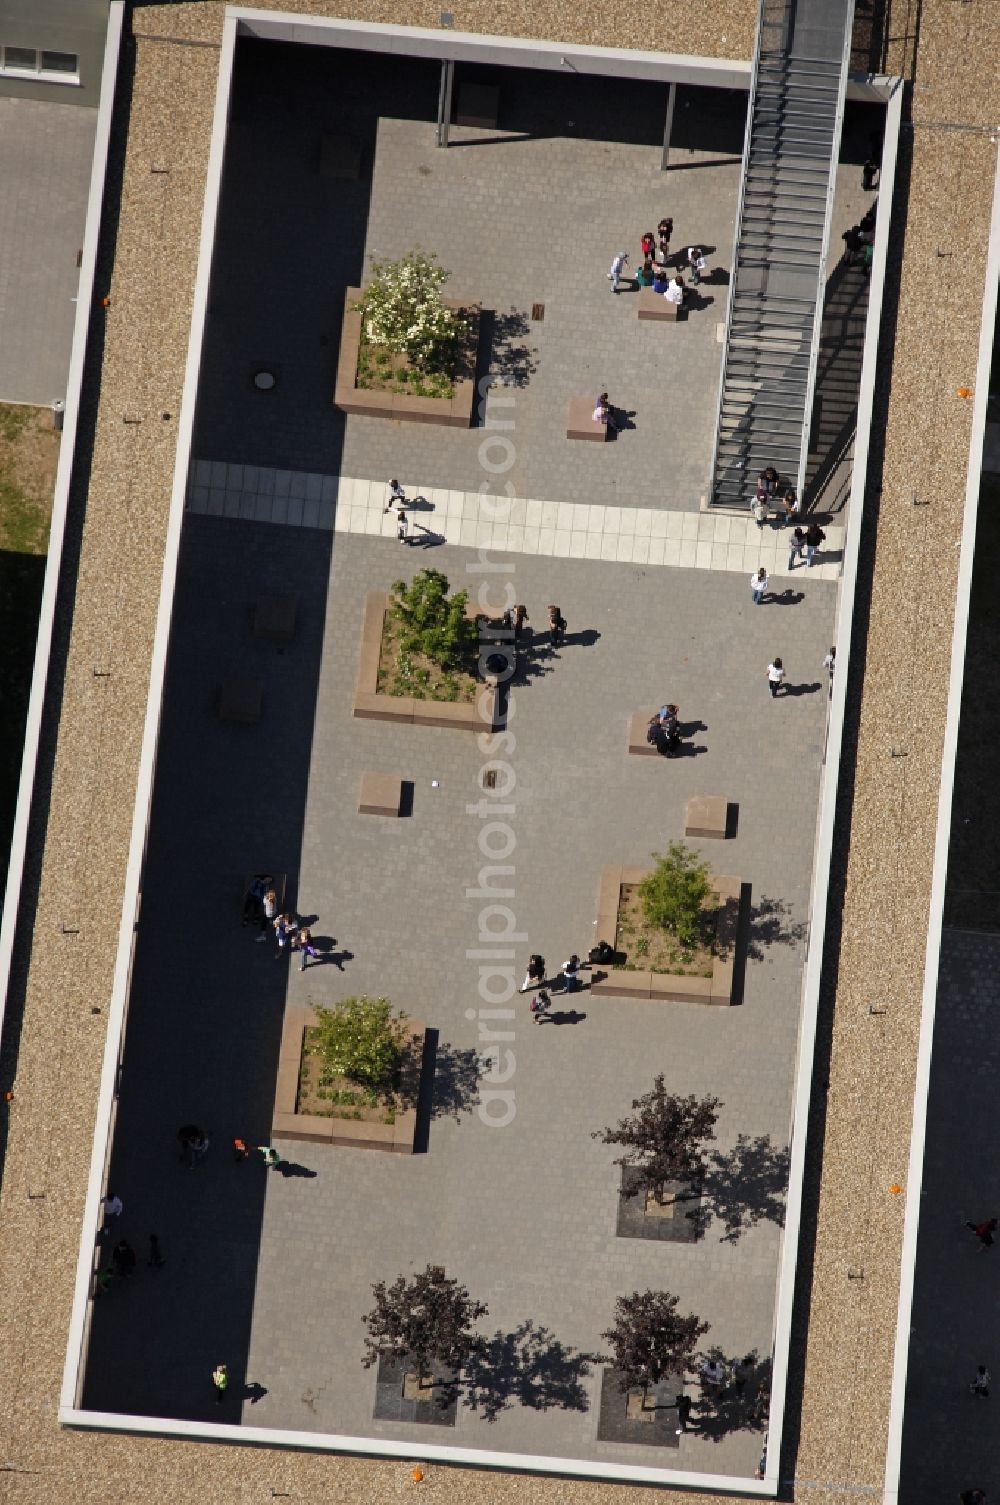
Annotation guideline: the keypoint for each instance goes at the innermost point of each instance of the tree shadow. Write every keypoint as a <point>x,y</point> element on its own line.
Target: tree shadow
<point>526,1367</point>
<point>746,1185</point>
<point>740,1405</point>
<point>504,352</point>
<point>454,1079</point>
<point>768,925</point>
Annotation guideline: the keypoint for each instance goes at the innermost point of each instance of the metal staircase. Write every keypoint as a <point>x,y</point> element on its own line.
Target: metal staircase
<point>775,308</point>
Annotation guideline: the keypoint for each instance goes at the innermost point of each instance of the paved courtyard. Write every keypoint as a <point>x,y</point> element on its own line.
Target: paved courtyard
<point>46,156</point>
<point>525,1215</point>
<point>530,214</point>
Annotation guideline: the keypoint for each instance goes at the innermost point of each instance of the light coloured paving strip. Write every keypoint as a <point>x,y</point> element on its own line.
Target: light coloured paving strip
<point>562,530</point>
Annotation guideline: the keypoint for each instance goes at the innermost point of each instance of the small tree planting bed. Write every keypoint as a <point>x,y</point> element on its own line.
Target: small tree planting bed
<point>708,977</point>
<point>316,1101</point>
<point>405,670</point>
<point>651,949</point>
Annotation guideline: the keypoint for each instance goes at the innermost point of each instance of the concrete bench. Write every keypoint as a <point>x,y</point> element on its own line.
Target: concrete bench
<point>381,794</point>
<point>637,725</point>
<point>478,104</point>
<point>650,305</point>
<point>581,423</point>
<point>239,700</point>
<point>707,815</point>
<point>274,618</point>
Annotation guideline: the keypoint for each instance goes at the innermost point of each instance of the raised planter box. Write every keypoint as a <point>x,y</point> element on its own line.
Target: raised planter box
<point>454,411</point>
<point>397,1137</point>
<point>372,704</point>
<point>667,987</point>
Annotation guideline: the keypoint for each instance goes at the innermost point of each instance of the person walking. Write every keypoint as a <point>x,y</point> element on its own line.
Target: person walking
<point>617,271</point>
<point>981,1384</point>
<point>683,1413</point>
<point>767,481</point>
<point>775,677</point>
<point>557,626</point>
<point>789,509</point>
<point>664,231</point>
<point>540,1005</point>
<point>402,527</point>
<point>155,1260</point>
<point>187,1134</point>
<point>123,1259</point>
<point>830,665</point>
<point>973,1497</point>
<point>113,1206</point>
<point>648,244</point>
<point>570,978</point>
<point>675,291</point>
<point>758,508</point>
<point>984,1232</point>
<point>796,544</point>
<point>535,975</point>
<point>397,496</point>
<point>302,941</point>
<point>758,585</point>
<point>271,1157</point>
<point>220,1379</point>
<point>814,537</point>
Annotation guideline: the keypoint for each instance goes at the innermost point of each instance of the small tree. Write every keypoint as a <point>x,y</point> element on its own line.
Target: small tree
<point>650,1341</point>
<point>433,623</point>
<point>427,1319</point>
<point>665,1138</point>
<point>673,895</point>
<point>402,310</point>
<point>359,1039</point>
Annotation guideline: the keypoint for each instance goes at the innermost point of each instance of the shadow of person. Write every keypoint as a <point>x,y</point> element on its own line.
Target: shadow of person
<point>788,689</point>
<point>584,639</point>
<point>291,1168</point>
<point>564,1016</point>
<point>254,1392</point>
<point>787,597</point>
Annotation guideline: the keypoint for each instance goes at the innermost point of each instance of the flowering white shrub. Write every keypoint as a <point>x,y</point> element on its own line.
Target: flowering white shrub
<point>402,309</point>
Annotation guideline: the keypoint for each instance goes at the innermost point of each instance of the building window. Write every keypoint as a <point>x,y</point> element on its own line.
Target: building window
<point>31,62</point>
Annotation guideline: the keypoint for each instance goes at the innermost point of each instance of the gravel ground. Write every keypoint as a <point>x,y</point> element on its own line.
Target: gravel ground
<point>75,876</point>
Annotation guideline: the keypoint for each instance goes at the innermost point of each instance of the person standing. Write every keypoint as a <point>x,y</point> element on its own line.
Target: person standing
<point>775,677</point>
<point>648,245</point>
<point>540,1005</point>
<point>830,665</point>
<point>220,1380</point>
<point>604,413</point>
<point>269,911</point>
<point>981,1384</point>
<point>155,1260</point>
<point>113,1206</point>
<point>683,1413</point>
<point>284,928</point>
<point>570,979</point>
<point>664,231</point>
<point>814,537</point>
<point>675,291</point>
<point>758,507</point>
<point>271,1157</point>
<point>697,263</point>
<point>796,544</point>
<point>302,941</point>
<point>123,1259</point>
<point>984,1232</point>
<point>617,271</point>
<point>397,496</point>
<point>758,585</point>
<point>790,508</point>
<point>557,626</point>
<point>402,526</point>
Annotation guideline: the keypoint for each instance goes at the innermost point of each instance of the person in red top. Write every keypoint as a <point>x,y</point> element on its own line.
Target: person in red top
<point>984,1232</point>
<point>648,245</point>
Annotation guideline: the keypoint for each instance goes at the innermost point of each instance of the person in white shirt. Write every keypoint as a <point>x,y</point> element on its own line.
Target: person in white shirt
<point>758,585</point>
<point>397,496</point>
<point>697,263</point>
<point>618,270</point>
<point>759,508</point>
<point>775,677</point>
<point>675,291</point>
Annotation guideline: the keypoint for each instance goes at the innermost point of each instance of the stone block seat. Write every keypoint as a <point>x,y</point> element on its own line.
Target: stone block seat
<point>274,618</point>
<point>240,700</point>
<point>650,305</point>
<point>637,744</point>
<point>707,815</point>
<point>381,794</point>
<point>581,423</point>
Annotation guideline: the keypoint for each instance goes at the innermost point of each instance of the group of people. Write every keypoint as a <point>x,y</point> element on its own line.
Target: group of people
<point>652,273</point>
<point>515,619</point>
<point>260,907</point>
<point>787,508</point>
<point>663,731</point>
<point>859,241</point>
<point>568,980</point>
